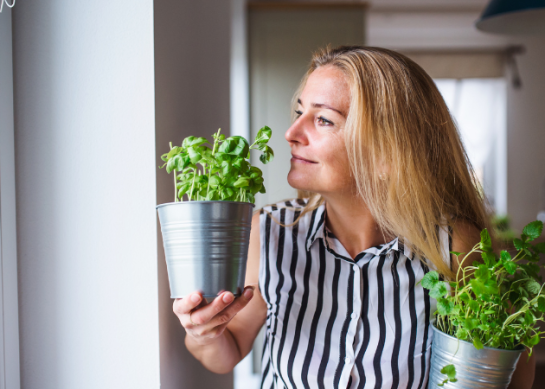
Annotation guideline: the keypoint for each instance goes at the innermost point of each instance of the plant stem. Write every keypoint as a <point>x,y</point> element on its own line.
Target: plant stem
<point>216,141</point>
<point>192,184</point>
<point>208,184</point>
<point>175,189</point>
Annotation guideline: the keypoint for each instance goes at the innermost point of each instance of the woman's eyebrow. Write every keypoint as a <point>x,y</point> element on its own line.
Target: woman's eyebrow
<point>316,105</point>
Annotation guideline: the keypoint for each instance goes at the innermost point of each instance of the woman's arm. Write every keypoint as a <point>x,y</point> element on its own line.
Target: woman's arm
<point>464,237</point>
<point>223,332</point>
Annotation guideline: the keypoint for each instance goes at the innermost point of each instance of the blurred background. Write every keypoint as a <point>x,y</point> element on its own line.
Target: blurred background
<point>91,95</point>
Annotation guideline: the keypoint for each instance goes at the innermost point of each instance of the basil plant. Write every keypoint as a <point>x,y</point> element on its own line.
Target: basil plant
<point>220,170</point>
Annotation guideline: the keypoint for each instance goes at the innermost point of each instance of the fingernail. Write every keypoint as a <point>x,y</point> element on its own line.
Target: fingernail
<point>228,298</point>
<point>195,298</point>
<point>248,293</point>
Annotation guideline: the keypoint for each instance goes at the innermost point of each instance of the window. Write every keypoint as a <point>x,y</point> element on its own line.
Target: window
<point>479,109</point>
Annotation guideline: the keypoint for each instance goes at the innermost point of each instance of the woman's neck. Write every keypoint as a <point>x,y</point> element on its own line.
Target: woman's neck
<point>352,224</point>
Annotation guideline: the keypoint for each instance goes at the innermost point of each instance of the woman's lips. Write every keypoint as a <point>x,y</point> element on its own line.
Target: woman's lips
<point>298,159</point>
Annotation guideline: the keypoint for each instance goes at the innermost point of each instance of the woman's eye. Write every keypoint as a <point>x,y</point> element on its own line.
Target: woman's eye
<point>323,121</point>
<point>298,113</point>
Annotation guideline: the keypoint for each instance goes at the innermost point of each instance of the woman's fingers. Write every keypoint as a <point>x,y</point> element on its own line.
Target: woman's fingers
<point>203,315</point>
<point>185,305</point>
<point>230,311</point>
<point>208,321</point>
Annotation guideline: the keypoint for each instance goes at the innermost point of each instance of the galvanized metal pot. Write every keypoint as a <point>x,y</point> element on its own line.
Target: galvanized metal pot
<point>483,369</point>
<point>206,245</point>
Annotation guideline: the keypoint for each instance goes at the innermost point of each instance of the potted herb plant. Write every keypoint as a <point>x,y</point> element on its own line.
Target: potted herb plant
<point>206,230</point>
<point>490,314</point>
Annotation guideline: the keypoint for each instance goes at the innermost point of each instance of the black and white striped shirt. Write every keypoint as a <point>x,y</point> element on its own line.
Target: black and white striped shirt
<point>334,322</point>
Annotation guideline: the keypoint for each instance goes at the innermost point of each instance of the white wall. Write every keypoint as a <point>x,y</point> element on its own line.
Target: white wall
<point>192,79</point>
<point>526,135</point>
<point>9,323</point>
<point>85,157</point>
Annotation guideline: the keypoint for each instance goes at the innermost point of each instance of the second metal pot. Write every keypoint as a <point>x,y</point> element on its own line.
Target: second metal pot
<point>206,245</point>
<point>484,369</point>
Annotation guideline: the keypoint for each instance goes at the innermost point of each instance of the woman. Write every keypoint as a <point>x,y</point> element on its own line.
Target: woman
<point>382,179</point>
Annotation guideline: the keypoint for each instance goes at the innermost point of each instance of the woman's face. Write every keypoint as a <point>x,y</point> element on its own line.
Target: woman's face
<point>319,160</point>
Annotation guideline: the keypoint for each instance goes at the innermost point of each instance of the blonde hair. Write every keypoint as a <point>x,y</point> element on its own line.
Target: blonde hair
<point>404,149</point>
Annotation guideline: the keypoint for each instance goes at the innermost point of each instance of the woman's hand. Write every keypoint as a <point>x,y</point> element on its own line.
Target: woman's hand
<point>206,322</point>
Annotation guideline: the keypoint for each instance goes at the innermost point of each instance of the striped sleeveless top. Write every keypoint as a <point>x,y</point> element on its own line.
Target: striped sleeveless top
<point>334,322</point>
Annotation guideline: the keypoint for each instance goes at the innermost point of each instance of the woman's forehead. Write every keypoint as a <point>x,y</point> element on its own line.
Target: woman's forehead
<point>327,85</point>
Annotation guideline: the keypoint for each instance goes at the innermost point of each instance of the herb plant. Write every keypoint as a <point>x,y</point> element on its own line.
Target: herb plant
<point>497,303</point>
<point>222,172</point>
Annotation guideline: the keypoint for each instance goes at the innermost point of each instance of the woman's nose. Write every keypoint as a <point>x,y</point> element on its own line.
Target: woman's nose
<point>296,133</point>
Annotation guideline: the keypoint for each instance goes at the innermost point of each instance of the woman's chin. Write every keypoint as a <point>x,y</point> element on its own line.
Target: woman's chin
<point>299,183</point>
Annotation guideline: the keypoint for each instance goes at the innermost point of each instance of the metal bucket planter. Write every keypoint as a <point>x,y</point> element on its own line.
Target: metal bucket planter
<point>206,245</point>
<point>483,369</point>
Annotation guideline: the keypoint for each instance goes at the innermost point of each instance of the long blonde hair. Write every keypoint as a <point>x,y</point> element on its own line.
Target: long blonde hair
<point>405,151</point>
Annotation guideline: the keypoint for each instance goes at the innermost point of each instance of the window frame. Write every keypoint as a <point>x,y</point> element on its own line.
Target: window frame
<point>9,310</point>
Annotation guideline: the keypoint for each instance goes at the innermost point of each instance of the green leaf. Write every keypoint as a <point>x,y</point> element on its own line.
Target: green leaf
<point>430,280</point>
<point>478,287</point>
<point>263,135</point>
<point>490,288</point>
<point>531,269</point>
<point>489,312</point>
<point>226,168</point>
<point>242,165</point>
<point>182,162</point>
<point>439,290</point>
<point>529,318</point>
<point>489,258</point>
<point>510,267</point>
<point>171,164</point>
<point>540,247</point>
<point>533,230</point>
<point>235,145</point>
<point>541,304</point>
<point>519,244</point>
<point>220,157</point>
<point>173,151</point>
<point>477,343</point>
<point>534,340</point>
<point>444,306</point>
<point>474,305</point>
<point>450,371</point>
<point>464,297</point>
<point>211,195</point>
<point>214,181</point>
<point>183,189</point>
<point>482,272</point>
<point>242,182</point>
<point>486,241</point>
<point>461,333</point>
<point>471,323</point>
<point>194,155</point>
<point>192,141</point>
<point>505,256</point>
<point>255,169</point>
<point>456,253</point>
<point>267,155</point>
<point>532,286</point>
